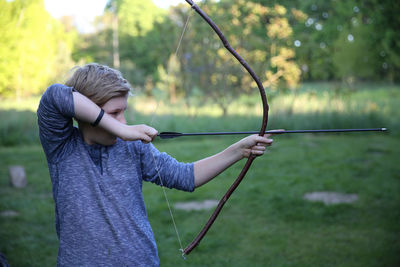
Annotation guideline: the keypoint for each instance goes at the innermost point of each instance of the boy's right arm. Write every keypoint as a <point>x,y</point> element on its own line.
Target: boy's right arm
<point>88,111</point>
<point>59,104</point>
<point>55,113</point>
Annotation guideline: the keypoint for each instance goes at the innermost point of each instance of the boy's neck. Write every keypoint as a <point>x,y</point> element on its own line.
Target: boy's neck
<point>95,135</point>
<point>85,134</point>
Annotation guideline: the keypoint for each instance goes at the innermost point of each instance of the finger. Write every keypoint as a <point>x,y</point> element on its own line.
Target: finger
<point>262,138</point>
<point>152,133</point>
<point>262,148</point>
<point>265,144</point>
<point>145,139</point>
<point>257,152</point>
<point>153,136</point>
<point>264,141</point>
<point>275,130</point>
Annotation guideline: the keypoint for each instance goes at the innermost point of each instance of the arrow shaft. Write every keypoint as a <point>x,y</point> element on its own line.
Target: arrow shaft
<point>166,135</point>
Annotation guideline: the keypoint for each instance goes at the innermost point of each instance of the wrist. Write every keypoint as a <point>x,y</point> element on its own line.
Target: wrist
<point>234,153</point>
<point>98,119</point>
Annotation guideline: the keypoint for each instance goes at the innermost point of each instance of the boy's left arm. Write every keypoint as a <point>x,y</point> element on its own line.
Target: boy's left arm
<point>208,168</point>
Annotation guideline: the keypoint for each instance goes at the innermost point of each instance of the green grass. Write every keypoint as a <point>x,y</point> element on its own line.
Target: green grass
<point>29,239</point>
<point>314,106</point>
<point>266,222</point>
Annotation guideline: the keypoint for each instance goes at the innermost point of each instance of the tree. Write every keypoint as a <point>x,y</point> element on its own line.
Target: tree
<point>170,80</point>
<point>347,40</point>
<point>384,35</point>
<point>34,48</point>
<point>143,44</point>
<point>140,37</point>
<point>259,33</point>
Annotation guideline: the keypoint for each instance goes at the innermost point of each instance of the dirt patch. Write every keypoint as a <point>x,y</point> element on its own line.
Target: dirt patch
<point>196,205</point>
<point>331,198</point>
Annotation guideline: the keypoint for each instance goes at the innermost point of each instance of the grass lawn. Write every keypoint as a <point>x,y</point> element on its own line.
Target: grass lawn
<point>265,223</point>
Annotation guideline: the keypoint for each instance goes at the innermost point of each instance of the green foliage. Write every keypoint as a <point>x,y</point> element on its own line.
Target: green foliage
<point>34,48</point>
<point>146,50</point>
<point>137,17</point>
<point>350,53</point>
<point>386,38</point>
<point>143,44</point>
<point>342,36</point>
<point>142,38</point>
<point>327,40</point>
<point>170,79</point>
<point>206,64</point>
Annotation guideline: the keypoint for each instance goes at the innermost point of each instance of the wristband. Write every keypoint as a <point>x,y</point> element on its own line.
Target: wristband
<point>96,122</point>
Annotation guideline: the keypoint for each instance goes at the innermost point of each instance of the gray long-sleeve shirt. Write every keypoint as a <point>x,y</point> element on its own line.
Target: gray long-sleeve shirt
<point>101,218</point>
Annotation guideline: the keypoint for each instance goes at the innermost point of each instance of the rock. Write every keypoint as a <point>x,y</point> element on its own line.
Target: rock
<point>17,176</point>
<point>329,198</point>
<point>8,213</point>
<point>196,205</point>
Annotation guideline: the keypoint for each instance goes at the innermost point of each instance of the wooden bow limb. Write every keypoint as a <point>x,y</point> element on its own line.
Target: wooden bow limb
<point>246,167</point>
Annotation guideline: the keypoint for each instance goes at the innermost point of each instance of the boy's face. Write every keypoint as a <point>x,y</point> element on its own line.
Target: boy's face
<point>114,107</point>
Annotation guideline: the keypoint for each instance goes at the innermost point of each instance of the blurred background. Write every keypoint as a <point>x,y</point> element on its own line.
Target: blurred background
<point>324,64</point>
<point>287,43</point>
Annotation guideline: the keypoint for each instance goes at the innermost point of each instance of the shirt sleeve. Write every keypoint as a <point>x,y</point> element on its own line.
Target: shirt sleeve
<point>55,113</point>
<point>158,166</point>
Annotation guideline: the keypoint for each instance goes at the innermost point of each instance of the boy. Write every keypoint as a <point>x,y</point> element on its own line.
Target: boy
<point>97,170</point>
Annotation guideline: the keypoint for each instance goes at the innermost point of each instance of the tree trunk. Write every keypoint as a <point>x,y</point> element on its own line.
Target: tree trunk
<point>115,42</point>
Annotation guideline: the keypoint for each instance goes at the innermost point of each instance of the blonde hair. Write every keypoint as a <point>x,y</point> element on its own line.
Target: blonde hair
<point>98,82</point>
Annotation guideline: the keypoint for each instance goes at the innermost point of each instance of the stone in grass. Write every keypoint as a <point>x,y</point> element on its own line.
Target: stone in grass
<point>8,213</point>
<point>196,205</point>
<point>330,198</point>
<point>17,176</point>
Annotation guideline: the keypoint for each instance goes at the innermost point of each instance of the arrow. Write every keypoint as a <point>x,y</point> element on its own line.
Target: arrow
<point>169,135</point>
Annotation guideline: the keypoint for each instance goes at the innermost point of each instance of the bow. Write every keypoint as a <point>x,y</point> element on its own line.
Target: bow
<point>251,158</point>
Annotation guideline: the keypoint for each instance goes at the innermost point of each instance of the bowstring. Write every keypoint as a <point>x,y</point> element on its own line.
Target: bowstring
<point>152,153</point>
